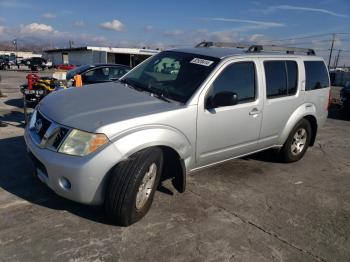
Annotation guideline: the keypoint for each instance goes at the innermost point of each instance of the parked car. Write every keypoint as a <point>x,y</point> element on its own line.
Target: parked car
<point>4,64</point>
<point>113,143</point>
<point>345,99</point>
<point>98,73</point>
<point>37,63</point>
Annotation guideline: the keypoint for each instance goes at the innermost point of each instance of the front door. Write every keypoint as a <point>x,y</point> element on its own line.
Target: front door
<point>229,131</point>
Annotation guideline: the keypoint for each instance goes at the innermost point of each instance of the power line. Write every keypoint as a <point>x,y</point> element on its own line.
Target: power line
<point>335,37</point>
<point>303,37</point>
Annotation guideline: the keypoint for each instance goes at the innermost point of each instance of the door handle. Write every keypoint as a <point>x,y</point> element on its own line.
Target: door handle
<point>254,112</point>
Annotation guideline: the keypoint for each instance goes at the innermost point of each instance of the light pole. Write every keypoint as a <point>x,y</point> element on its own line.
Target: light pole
<point>14,42</point>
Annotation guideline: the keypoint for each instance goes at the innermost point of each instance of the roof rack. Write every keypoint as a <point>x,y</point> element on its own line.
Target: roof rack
<point>259,48</point>
<point>222,44</point>
<point>278,48</point>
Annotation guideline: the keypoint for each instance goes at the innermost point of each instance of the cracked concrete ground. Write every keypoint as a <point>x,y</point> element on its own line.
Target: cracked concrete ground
<point>251,209</point>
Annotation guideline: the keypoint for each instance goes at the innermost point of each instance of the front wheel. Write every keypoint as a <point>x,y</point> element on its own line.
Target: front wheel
<point>132,185</point>
<point>297,142</point>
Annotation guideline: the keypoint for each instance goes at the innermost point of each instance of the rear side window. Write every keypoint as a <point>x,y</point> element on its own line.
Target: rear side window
<point>281,78</point>
<point>316,75</point>
<point>292,77</point>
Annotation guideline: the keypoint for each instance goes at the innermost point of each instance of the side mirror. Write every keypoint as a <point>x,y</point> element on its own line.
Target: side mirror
<point>224,98</point>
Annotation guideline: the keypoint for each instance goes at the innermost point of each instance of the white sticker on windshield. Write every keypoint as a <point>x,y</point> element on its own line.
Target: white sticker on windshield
<point>200,61</point>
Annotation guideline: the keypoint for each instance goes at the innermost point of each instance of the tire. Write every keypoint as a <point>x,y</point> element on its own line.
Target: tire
<point>124,202</point>
<point>297,142</point>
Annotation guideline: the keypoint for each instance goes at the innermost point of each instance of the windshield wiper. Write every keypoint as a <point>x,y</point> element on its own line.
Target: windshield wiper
<point>153,91</point>
<point>131,84</point>
<point>160,96</point>
<point>157,93</point>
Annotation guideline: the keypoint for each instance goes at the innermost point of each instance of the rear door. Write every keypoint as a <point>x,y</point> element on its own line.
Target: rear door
<point>282,96</point>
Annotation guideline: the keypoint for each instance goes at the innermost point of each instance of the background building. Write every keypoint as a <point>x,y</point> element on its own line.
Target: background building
<point>94,55</point>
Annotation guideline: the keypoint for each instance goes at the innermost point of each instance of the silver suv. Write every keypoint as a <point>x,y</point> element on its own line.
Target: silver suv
<point>179,111</point>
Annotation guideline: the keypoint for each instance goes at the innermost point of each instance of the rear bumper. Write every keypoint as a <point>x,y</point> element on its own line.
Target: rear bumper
<point>87,175</point>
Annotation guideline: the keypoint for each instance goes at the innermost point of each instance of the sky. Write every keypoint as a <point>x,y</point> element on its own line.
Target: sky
<point>178,23</point>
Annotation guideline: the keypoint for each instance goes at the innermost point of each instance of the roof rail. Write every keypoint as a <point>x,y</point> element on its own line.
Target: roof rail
<point>259,48</point>
<point>222,44</point>
<point>278,48</point>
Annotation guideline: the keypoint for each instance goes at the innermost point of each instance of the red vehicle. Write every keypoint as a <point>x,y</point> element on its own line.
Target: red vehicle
<point>65,67</point>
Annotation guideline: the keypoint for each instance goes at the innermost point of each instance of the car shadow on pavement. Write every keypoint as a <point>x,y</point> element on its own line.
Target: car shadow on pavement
<point>335,113</point>
<point>12,117</point>
<point>16,102</point>
<point>17,177</point>
<point>268,155</point>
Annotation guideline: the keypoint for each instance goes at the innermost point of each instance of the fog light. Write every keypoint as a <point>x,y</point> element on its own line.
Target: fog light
<point>65,183</point>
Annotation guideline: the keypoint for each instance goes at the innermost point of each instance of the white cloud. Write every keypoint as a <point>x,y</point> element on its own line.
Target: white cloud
<point>250,22</point>
<point>256,38</point>
<point>192,37</point>
<point>114,25</point>
<point>49,15</point>
<point>13,4</point>
<point>92,39</point>
<point>148,28</point>
<point>173,32</point>
<point>79,23</point>
<point>2,29</point>
<point>303,8</point>
<point>36,29</point>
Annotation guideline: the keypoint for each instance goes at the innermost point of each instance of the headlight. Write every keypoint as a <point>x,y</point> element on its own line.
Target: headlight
<point>80,143</point>
<point>32,120</point>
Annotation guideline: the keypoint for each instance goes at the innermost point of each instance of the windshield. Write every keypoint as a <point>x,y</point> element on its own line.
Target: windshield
<point>77,71</point>
<point>171,74</point>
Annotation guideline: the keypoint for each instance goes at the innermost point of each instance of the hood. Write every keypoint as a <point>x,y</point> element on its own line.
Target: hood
<point>94,106</point>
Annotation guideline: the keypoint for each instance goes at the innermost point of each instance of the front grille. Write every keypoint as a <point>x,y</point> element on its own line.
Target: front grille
<point>45,125</point>
<point>59,137</point>
<point>46,133</point>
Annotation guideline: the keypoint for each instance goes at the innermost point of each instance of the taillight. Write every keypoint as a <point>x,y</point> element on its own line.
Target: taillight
<point>329,99</point>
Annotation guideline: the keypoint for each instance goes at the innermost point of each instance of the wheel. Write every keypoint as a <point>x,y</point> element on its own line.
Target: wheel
<point>132,185</point>
<point>297,142</point>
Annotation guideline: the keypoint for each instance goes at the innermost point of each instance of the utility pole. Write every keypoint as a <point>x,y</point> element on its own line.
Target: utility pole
<point>14,42</point>
<point>337,59</point>
<point>330,53</point>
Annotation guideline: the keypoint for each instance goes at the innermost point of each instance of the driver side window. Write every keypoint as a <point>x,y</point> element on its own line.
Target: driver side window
<point>238,78</point>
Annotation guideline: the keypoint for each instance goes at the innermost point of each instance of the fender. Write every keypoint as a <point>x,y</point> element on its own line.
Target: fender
<point>305,109</point>
<point>135,139</point>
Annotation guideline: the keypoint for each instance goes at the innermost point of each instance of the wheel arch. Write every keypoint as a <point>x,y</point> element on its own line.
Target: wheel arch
<point>305,111</point>
<point>313,122</point>
<point>176,148</point>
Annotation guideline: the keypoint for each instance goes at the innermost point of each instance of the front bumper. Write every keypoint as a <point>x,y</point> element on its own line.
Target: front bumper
<point>87,175</point>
